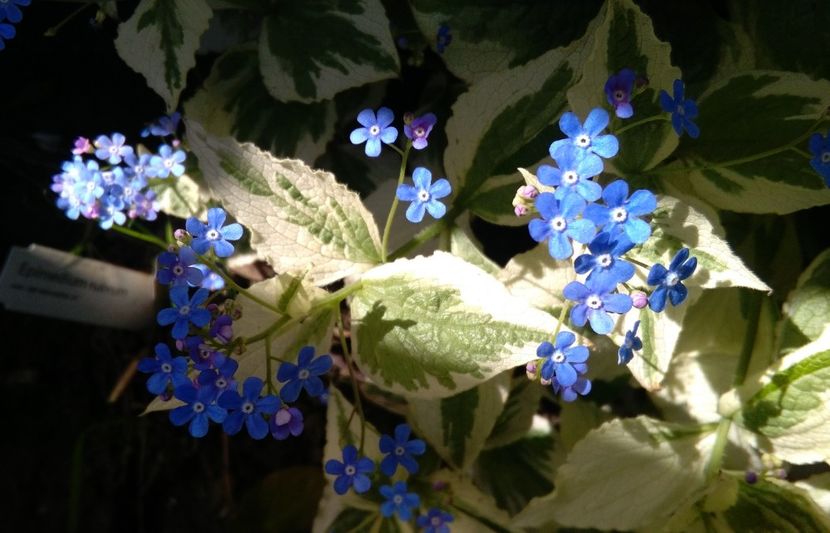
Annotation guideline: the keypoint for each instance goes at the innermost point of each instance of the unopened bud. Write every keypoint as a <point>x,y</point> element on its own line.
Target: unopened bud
<point>181,235</point>
<point>528,191</point>
<point>408,117</point>
<point>545,382</point>
<point>751,477</point>
<point>520,210</point>
<point>639,299</point>
<point>530,370</point>
<point>439,485</point>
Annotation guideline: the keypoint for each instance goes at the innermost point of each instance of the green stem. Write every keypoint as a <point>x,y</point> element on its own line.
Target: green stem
<point>51,32</point>
<point>721,439</point>
<point>152,239</point>
<point>235,286</point>
<point>562,315</point>
<point>355,389</point>
<point>388,228</point>
<point>801,152</point>
<point>283,322</point>
<point>640,123</point>
<point>396,149</point>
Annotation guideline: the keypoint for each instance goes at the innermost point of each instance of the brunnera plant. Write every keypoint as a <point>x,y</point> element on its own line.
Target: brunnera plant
<point>632,280</point>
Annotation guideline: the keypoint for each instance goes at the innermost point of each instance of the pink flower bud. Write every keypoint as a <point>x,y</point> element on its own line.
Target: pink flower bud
<point>545,382</point>
<point>520,210</point>
<point>530,370</point>
<point>180,234</point>
<point>639,299</point>
<point>528,191</point>
<point>408,117</point>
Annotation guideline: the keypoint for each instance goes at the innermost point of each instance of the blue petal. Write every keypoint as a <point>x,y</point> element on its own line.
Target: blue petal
<point>570,126</point>
<point>436,208</point>
<point>816,143</point>
<point>199,425</point>
<point>597,214</point>
<point>231,232</point>
<point>422,178</point>
<point>167,316</point>
<point>677,294</point>
<point>545,349</point>
<point>287,371</point>
<point>678,90</point>
<point>584,263</point>
<point>538,228</point>
<point>181,415</point>
<point>385,117</point>
<point>565,375</point>
<point>581,230</point>
<point>657,299</point>
<point>233,423</point>
<point>372,147</point>
<point>200,317</point>
<point>305,356</point>
<point>564,339</point>
<point>361,483</point>
<point>601,321</point>
<point>692,129</point>
<point>223,248</point>
<point>589,190</point>
<point>291,391</point>
<point>576,291</point>
<point>577,354</point>
<point>687,268</point>
<point>216,217</point>
<point>596,122</point>
<point>571,206</point>
<point>389,135</point>
<point>678,259</point>
<point>548,175</point>
<point>615,193</point>
<point>547,205</point>
<point>559,246</point>
<point>180,328</point>
<point>415,212</point>
<point>342,484</point>
<point>558,147</point>
<point>657,274</point>
<point>358,136</point>
<point>605,146</point>
<point>637,230</point>
<point>314,386</point>
<point>677,123</point>
<point>440,189</point>
<point>666,102</point>
<point>407,193</point>
<point>617,303</point>
<point>367,118</point>
<point>624,110</point>
<point>257,427</point>
<point>579,315</point>
<point>642,202</point>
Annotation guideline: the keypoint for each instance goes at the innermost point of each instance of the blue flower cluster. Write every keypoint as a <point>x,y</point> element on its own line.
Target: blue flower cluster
<point>114,186</point>
<point>10,11</point>
<point>398,450</point>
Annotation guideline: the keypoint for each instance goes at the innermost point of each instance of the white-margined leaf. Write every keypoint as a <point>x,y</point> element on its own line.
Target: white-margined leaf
<point>807,310</point>
<point>537,278</point>
<point>517,417</point>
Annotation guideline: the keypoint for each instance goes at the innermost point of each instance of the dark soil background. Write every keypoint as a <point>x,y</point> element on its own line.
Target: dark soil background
<point>75,460</point>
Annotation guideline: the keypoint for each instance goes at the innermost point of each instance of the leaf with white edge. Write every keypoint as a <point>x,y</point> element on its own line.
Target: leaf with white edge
<point>463,246</point>
<point>807,308</point>
<point>789,407</point>
<point>435,326</point>
<point>743,160</point>
<point>537,278</point>
<point>517,417</point>
<point>774,505</point>
<point>234,101</point>
<point>708,350</point>
<point>487,38</point>
<point>160,41</point>
<point>344,45</point>
<point>181,197</point>
<point>625,475</point>
<point>504,122</point>
<point>818,487</point>
<point>472,509</point>
<point>457,426</point>
<point>625,39</point>
<point>303,222</point>
<point>677,224</point>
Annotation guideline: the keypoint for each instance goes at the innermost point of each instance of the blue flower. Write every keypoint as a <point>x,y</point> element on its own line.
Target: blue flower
<point>248,408</point>
<point>212,234</point>
<point>109,212</point>
<point>112,150</point>
<point>286,421</point>
<point>400,451</point>
<point>184,311</point>
<point>179,268</point>
<point>595,301</point>
<point>669,281</point>
<point>620,214</point>
<point>586,137</point>
<point>221,330</point>
<point>560,225</point>
<point>200,409</point>
<point>603,261</point>
<point>424,195</point>
<point>10,11</point>
<point>576,168</point>
<point>563,364</point>
<point>138,164</point>
<point>163,127</point>
<point>618,90</point>
<point>166,162</point>
<point>569,394</point>
<point>435,521</point>
<point>820,148</point>
<point>398,500</point>
<point>418,130</point>
<point>351,472</point>
<point>443,38</point>
<point>219,379</point>
<point>374,130</point>
<point>682,111</point>
<point>7,33</point>
<point>303,375</point>
<point>165,368</point>
<point>211,280</point>
<point>632,342</point>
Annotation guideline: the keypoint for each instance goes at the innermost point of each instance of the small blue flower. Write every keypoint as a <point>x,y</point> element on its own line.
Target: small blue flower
<point>632,342</point>
<point>212,234</point>
<point>594,301</point>
<point>586,137</point>
<point>604,260</point>
<point>7,33</point>
<point>563,364</point>
<point>165,368</point>
<point>621,213</point>
<point>184,311</point>
<point>443,38</point>
<point>351,472</point>
<point>163,127</point>
<point>820,148</point>
<point>200,409</point>
<point>10,11</point>
<point>166,162</point>
<point>569,394</point>
<point>576,168</point>
<point>219,379</point>
<point>109,211</point>
<point>112,150</point>
<point>374,130</point>
<point>418,130</point>
<point>303,375</point>
<point>400,451</point>
<point>211,280</point>
<point>248,408</point>
<point>179,268</point>
<point>618,90</point>
<point>286,421</point>
<point>398,500</point>
<point>221,330</point>
<point>682,111</point>
<point>435,521</point>
<point>559,224</point>
<point>138,164</point>
<point>424,195</point>
<point>669,281</point>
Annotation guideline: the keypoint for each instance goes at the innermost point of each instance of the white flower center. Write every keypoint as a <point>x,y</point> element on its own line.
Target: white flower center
<point>212,235</point>
<point>558,224</point>
<point>558,356</point>
<point>139,169</point>
<point>397,499</point>
<point>113,149</point>
<point>221,383</point>
<point>825,157</point>
<point>168,163</point>
<point>593,301</point>
<point>680,111</point>
<point>619,95</point>
<point>247,408</point>
<point>205,352</point>
<point>184,310</point>
<point>570,177</point>
<point>350,470</point>
<point>671,279</point>
<point>178,270</point>
<point>198,407</point>
<point>583,140</point>
<point>166,368</point>
<point>419,132</point>
<point>423,195</point>
<point>303,374</point>
<point>374,131</point>
<point>605,260</point>
<point>399,450</point>
<point>619,214</point>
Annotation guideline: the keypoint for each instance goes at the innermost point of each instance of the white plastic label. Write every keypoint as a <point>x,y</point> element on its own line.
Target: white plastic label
<point>47,282</point>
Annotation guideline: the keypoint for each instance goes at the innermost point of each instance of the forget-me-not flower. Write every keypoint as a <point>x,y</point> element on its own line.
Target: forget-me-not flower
<point>213,234</point>
<point>418,130</point>
<point>621,213</point>
<point>563,362</point>
<point>184,311</point>
<point>586,137</point>
<point>618,90</point>
<point>248,409</point>
<point>576,168</point>
<point>682,110</point>
<point>351,472</point>
<point>669,281</point>
<point>559,224</point>
<point>424,195</point>
<point>631,343</point>
<point>165,369</point>
<point>400,451</point>
<point>604,260</point>
<point>376,129</point>
<point>398,500</point>
<point>820,148</point>
<point>199,410</point>
<point>304,375</point>
<point>595,300</point>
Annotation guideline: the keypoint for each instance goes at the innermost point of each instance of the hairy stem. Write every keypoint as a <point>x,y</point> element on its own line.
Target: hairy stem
<point>388,228</point>
<point>146,237</point>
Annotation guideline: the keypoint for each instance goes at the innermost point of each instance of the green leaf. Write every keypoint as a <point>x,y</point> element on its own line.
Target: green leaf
<point>435,326</point>
<point>287,496</point>
<point>789,407</point>
<point>234,101</point>
<point>537,278</point>
<point>303,222</point>
<point>182,197</point>
<point>472,509</point>
<point>808,306</point>
<point>463,246</point>
<point>627,474</point>
<point>310,50</point>
<point>516,418</point>
<point>773,505</point>
<point>159,42</point>
<point>744,159</point>
<point>486,38</point>
<point>457,426</point>
<point>625,39</point>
